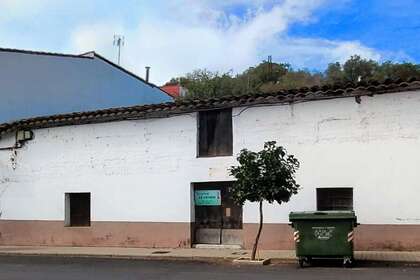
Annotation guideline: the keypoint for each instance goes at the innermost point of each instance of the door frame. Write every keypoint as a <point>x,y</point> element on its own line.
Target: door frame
<point>230,233</point>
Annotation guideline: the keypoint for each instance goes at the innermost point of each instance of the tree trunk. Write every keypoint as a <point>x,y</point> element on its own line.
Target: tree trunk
<point>257,238</point>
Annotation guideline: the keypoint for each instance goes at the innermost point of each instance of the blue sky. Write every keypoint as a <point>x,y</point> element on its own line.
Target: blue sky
<point>177,36</point>
<point>390,27</point>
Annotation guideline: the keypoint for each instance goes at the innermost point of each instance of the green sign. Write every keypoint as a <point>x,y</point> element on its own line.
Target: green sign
<point>207,198</point>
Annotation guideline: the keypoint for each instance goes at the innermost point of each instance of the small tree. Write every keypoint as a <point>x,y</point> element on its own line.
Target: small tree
<point>266,175</point>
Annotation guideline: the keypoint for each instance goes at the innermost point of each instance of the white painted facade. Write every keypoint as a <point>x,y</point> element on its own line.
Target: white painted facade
<point>142,170</point>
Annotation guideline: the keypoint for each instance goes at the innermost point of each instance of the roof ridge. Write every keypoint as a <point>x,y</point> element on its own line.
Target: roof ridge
<point>33,52</point>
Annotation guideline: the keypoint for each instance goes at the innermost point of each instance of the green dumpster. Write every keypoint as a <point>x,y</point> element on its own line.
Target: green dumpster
<point>323,234</point>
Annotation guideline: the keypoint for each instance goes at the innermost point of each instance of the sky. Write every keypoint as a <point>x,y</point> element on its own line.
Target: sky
<point>177,36</point>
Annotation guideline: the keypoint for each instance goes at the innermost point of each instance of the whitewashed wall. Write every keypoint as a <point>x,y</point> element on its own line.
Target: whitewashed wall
<point>142,170</point>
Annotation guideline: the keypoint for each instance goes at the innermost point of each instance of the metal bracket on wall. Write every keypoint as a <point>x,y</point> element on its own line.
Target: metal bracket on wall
<point>22,136</point>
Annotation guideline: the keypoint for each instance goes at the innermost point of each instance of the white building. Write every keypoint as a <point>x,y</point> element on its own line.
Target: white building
<point>128,176</point>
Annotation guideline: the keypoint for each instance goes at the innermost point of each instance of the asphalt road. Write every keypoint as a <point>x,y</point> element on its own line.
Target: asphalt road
<point>35,268</point>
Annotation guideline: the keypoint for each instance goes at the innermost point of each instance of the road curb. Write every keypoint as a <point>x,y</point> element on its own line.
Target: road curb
<point>122,257</point>
<point>148,258</point>
<point>274,261</point>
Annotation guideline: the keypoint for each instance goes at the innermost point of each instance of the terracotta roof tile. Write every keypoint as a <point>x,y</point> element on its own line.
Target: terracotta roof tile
<point>191,105</point>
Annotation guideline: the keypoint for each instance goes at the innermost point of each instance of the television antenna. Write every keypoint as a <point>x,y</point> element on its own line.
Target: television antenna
<point>119,42</point>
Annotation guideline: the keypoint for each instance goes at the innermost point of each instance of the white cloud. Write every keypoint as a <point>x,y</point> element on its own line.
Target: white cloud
<point>206,36</point>
<point>19,9</point>
<point>317,53</point>
<point>98,36</point>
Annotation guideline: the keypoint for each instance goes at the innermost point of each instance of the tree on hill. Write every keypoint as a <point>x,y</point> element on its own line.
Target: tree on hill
<point>292,80</point>
<point>251,80</point>
<point>333,74</point>
<point>274,77</point>
<point>357,69</point>
<point>204,83</point>
<point>389,70</point>
<point>267,175</point>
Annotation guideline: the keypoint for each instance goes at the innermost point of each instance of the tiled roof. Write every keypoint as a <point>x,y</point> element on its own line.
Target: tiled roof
<point>172,90</point>
<point>190,105</point>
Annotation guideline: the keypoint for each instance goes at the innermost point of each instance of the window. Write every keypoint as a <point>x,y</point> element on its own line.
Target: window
<point>77,209</point>
<point>334,199</point>
<point>215,133</point>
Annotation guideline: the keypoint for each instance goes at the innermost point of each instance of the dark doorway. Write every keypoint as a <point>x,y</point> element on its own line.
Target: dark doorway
<point>218,220</point>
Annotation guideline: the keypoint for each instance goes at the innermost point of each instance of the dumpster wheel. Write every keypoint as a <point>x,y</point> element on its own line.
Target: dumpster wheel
<point>303,260</point>
<point>348,262</point>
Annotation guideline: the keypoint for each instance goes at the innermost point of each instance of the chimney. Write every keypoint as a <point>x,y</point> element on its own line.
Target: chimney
<point>147,73</point>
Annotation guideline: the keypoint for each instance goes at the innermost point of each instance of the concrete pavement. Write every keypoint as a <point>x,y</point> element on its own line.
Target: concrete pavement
<point>189,253</point>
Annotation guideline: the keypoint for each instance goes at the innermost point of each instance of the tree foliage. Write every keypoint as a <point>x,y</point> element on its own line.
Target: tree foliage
<point>356,69</point>
<point>389,70</point>
<point>267,175</point>
<point>204,83</point>
<point>274,77</point>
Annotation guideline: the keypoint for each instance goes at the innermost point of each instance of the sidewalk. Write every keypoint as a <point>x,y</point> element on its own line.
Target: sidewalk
<point>190,254</point>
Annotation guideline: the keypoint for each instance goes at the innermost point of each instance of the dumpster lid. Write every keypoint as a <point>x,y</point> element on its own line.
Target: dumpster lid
<point>316,215</point>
